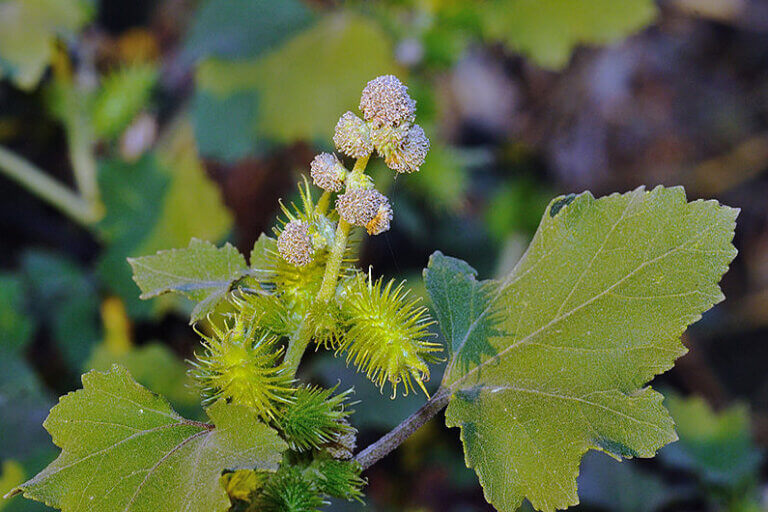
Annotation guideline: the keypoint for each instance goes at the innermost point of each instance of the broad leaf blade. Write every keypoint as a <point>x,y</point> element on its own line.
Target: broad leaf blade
<point>201,272</point>
<point>592,312</point>
<point>463,307</point>
<point>124,449</point>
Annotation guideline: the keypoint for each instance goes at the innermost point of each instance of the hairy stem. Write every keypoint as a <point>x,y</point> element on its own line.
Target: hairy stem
<point>48,189</point>
<point>381,448</point>
<point>300,341</point>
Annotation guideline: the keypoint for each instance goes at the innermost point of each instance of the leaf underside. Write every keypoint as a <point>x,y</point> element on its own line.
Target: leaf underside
<point>201,272</point>
<point>550,361</point>
<point>124,449</point>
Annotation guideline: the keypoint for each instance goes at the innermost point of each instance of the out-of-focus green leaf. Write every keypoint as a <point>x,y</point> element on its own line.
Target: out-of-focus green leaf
<point>192,206</point>
<point>133,194</point>
<point>23,407</point>
<point>11,475</point>
<point>201,272</point>
<point>122,95</point>
<point>547,31</point>
<point>153,366</point>
<point>156,459</point>
<point>592,312</point>
<point>15,324</point>
<point>511,208</point>
<point>64,297</point>
<point>28,31</point>
<point>159,202</point>
<point>621,486</point>
<point>717,446</point>
<point>224,127</point>
<point>442,180</point>
<point>307,83</point>
<point>243,28</point>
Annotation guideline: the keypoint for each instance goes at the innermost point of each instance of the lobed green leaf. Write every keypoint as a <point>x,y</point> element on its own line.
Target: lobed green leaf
<point>201,272</point>
<point>591,313</point>
<point>124,449</point>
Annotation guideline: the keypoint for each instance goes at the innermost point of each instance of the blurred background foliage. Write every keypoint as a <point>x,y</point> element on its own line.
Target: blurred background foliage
<point>131,126</point>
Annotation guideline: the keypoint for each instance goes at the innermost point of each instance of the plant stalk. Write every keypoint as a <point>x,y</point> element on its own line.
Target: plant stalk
<point>381,448</point>
<point>299,343</point>
<point>48,189</point>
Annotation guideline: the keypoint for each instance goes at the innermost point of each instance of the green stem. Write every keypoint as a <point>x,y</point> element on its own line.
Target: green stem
<point>300,341</point>
<point>81,156</point>
<point>48,189</point>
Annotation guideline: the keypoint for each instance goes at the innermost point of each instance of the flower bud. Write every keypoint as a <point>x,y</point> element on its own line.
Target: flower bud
<point>362,207</point>
<point>385,101</point>
<point>295,243</point>
<point>411,154</point>
<point>351,136</point>
<point>327,172</point>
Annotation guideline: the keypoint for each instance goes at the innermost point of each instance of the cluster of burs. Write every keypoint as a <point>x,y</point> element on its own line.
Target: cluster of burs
<point>305,291</point>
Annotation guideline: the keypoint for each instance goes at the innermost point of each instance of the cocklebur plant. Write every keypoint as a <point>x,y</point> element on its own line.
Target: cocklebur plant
<point>543,364</point>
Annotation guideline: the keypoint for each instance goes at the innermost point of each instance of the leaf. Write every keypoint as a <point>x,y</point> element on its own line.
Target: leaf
<point>154,366</point>
<point>340,53</point>
<point>122,95</point>
<point>124,449</point>
<point>717,446</point>
<point>547,31</point>
<point>63,297</point>
<point>622,486</point>
<point>591,313</point>
<point>15,325</point>
<point>462,307</point>
<point>242,28</point>
<point>201,272</point>
<point>28,30</point>
<point>193,205</point>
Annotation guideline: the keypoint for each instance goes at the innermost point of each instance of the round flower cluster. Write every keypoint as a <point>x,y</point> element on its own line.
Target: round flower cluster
<point>389,114</point>
<point>366,208</point>
<point>327,172</point>
<point>352,136</point>
<point>295,243</point>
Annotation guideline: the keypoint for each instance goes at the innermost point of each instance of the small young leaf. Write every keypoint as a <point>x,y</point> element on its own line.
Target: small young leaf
<point>591,313</point>
<point>717,446</point>
<point>124,449</point>
<point>201,272</point>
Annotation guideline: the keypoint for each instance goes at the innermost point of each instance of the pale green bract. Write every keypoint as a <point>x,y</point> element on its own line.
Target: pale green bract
<point>201,272</point>
<point>592,312</point>
<point>124,449</point>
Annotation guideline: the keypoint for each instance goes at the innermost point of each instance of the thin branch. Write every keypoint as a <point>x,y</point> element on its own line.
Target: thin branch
<point>404,430</point>
<point>47,188</point>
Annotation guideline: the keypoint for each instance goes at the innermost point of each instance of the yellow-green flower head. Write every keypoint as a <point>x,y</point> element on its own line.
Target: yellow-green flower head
<point>388,139</point>
<point>385,101</point>
<point>295,243</point>
<point>366,208</point>
<point>410,156</point>
<point>388,334</point>
<point>245,369</point>
<point>351,136</point>
<point>327,172</point>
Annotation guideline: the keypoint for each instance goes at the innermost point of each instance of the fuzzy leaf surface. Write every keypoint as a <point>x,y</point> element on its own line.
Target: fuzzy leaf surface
<point>201,272</point>
<point>591,313</point>
<point>124,449</point>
